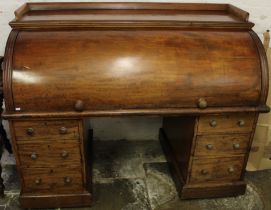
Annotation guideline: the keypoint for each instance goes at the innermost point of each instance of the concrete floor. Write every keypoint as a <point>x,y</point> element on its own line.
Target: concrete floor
<point>133,175</point>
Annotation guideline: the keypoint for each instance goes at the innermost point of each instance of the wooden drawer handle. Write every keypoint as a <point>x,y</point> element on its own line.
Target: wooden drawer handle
<point>63,130</point>
<point>236,146</point>
<point>64,154</point>
<point>231,170</point>
<point>204,172</point>
<point>67,180</point>
<point>34,156</point>
<point>30,131</point>
<point>79,106</point>
<point>241,123</point>
<point>38,181</point>
<point>213,123</point>
<point>202,103</point>
<point>209,146</point>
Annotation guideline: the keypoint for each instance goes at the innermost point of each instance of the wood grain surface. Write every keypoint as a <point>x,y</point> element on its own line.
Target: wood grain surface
<point>129,15</point>
<point>217,169</point>
<point>226,123</point>
<point>52,180</point>
<point>221,145</point>
<point>46,131</point>
<point>106,70</point>
<point>200,66</point>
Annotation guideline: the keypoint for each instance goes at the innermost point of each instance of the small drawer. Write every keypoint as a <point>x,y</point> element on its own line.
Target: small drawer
<point>232,123</point>
<point>221,145</point>
<point>45,154</point>
<point>216,169</point>
<point>52,180</point>
<point>46,130</point>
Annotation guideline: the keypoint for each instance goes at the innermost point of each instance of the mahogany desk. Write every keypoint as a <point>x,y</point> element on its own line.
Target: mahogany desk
<point>200,66</point>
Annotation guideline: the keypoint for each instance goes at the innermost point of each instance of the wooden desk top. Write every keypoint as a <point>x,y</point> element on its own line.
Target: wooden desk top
<point>74,15</point>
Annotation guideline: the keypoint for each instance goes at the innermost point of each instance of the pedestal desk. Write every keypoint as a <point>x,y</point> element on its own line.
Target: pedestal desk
<point>199,66</point>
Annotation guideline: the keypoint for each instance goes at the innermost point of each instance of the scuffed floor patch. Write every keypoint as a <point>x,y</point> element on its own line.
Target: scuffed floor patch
<point>160,187</point>
<point>121,194</point>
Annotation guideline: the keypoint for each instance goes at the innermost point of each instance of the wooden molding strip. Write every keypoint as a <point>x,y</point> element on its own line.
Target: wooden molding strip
<point>126,6</point>
<point>7,70</point>
<point>240,15</point>
<point>264,67</point>
<point>20,12</point>
<point>238,12</point>
<point>127,24</point>
<point>134,112</point>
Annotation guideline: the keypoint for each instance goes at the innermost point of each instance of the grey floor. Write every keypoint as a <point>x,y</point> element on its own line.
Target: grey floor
<point>133,175</point>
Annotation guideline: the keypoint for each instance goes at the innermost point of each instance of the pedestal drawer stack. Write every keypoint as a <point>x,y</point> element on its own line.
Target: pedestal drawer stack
<point>209,153</point>
<point>50,157</point>
<point>220,148</point>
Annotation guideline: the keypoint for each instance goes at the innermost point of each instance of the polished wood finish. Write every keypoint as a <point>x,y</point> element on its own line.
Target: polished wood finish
<point>136,112</point>
<point>50,158</point>
<point>52,180</point>
<point>225,145</point>
<point>43,154</point>
<point>47,131</point>
<point>129,15</point>
<point>216,170</point>
<point>200,66</point>
<point>226,123</point>
<point>264,67</point>
<point>209,150</point>
<point>55,200</point>
<point>181,132</point>
<point>213,190</point>
<point>7,71</point>
<point>122,64</point>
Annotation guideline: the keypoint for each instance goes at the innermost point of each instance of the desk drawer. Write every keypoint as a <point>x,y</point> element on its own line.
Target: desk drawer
<point>46,130</point>
<point>216,169</point>
<point>233,123</point>
<point>53,180</point>
<point>59,153</point>
<point>228,144</point>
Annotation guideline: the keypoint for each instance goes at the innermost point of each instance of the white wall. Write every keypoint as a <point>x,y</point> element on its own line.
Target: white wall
<point>140,128</point>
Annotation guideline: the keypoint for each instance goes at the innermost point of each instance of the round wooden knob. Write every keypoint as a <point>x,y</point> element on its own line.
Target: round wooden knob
<point>241,123</point>
<point>67,180</point>
<point>38,181</point>
<point>236,146</point>
<point>204,172</point>
<point>34,156</point>
<point>209,146</point>
<point>230,170</point>
<point>202,103</point>
<point>213,123</point>
<point>64,154</point>
<point>30,131</point>
<point>79,106</point>
<point>63,130</point>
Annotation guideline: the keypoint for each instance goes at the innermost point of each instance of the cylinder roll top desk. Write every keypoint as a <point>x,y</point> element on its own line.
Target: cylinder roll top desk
<point>199,66</point>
